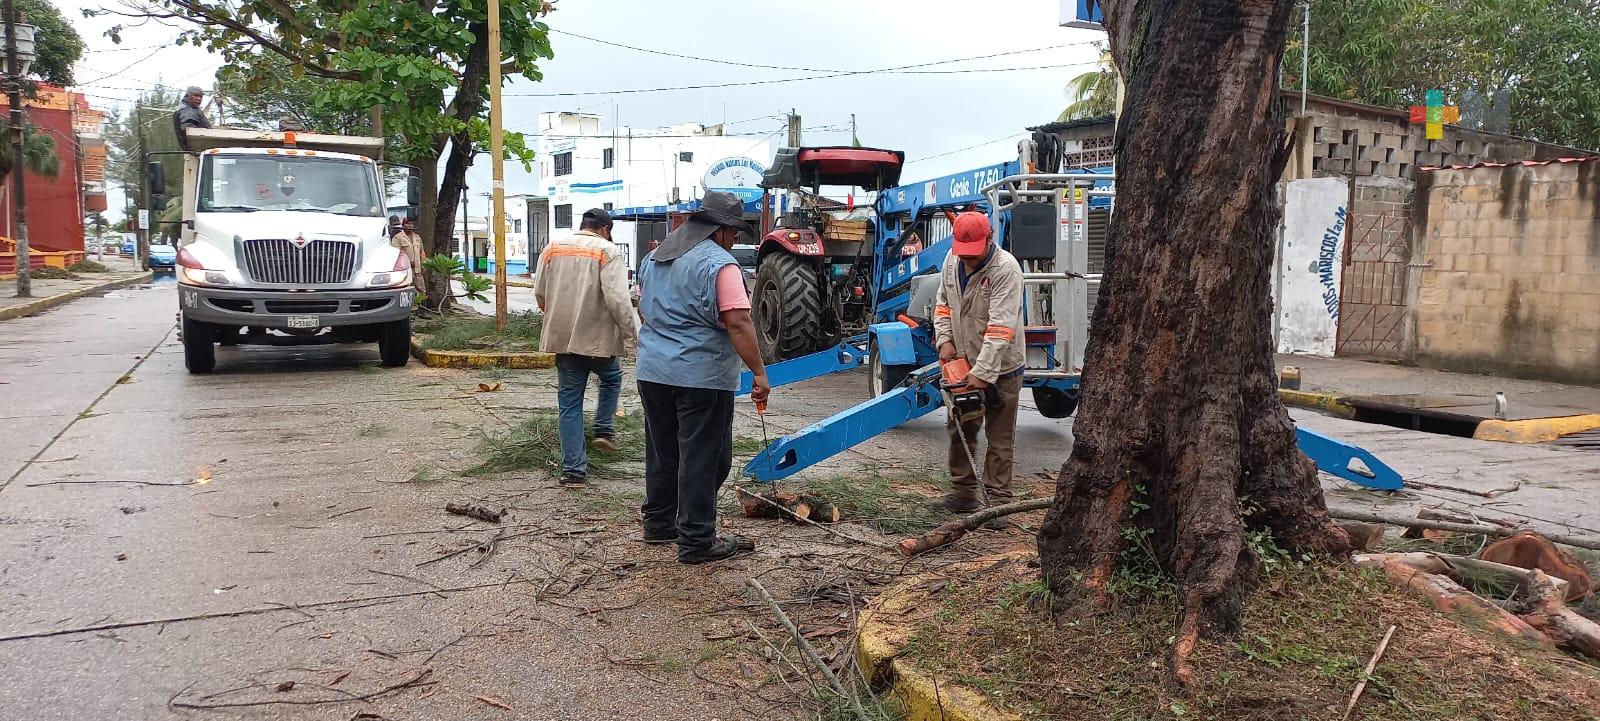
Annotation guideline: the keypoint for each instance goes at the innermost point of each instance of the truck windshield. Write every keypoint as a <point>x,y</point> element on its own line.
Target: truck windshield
<point>246,183</point>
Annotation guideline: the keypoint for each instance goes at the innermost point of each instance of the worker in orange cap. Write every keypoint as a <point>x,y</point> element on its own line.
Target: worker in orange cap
<point>978,318</point>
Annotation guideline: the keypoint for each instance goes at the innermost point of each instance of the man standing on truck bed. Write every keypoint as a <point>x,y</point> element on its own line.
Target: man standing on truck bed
<point>978,317</point>
<point>189,115</point>
<point>697,327</point>
<point>581,284</point>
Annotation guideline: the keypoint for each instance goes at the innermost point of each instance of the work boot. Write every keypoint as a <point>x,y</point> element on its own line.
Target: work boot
<point>569,480</point>
<point>604,443</point>
<point>959,503</point>
<point>725,547</point>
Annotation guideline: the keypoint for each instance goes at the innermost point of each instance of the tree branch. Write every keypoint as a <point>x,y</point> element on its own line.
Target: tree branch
<point>199,14</point>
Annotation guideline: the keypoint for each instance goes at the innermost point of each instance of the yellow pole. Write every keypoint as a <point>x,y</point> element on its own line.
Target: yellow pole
<point>497,224</point>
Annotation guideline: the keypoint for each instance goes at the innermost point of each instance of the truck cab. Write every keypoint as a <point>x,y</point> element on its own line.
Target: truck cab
<point>285,241</point>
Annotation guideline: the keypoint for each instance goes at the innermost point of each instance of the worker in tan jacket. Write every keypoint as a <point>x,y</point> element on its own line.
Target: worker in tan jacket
<point>978,317</point>
<point>581,284</point>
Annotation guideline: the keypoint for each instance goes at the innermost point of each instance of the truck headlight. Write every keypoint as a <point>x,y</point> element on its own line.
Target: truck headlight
<point>194,273</point>
<point>398,277</point>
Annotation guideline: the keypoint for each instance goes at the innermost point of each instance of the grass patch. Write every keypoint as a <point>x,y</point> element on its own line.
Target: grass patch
<point>477,332</point>
<point>1307,633</point>
<point>88,266</point>
<point>535,445</point>
<point>51,272</point>
<point>746,446</point>
<point>872,498</point>
<point>374,430</point>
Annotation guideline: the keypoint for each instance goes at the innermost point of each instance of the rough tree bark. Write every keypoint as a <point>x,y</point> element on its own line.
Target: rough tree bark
<point>1180,434</point>
<point>468,102</point>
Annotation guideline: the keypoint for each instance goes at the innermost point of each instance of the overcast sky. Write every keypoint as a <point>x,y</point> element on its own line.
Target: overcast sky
<point>945,122</point>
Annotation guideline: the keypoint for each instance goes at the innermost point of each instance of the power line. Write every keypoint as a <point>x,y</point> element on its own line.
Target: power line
<point>630,91</point>
<point>693,57</point>
<point>835,74</point>
<point>969,147</point>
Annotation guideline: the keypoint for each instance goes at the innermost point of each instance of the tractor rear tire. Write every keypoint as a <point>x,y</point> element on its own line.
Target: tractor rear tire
<point>787,306</point>
<point>1053,403</point>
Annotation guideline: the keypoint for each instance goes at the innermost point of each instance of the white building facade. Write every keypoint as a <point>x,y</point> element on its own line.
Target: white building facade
<point>583,167</point>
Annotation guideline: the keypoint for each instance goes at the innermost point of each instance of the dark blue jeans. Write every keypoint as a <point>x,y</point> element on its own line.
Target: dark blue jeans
<point>572,380</point>
<point>688,453</point>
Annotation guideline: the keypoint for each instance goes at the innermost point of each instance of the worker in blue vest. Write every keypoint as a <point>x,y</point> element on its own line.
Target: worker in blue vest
<point>696,329</point>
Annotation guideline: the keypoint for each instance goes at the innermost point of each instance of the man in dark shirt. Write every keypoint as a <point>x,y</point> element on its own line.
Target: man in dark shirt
<point>188,115</point>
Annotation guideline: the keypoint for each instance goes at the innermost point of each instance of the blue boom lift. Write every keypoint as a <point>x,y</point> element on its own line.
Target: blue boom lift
<point>1054,223</point>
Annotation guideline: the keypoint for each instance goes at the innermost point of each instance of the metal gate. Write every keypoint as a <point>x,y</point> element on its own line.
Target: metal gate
<point>1373,297</point>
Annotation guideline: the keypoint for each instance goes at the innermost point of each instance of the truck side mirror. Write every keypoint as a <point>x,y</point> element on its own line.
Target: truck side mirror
<point>413,190</point>
<point>156,174</point>
<point>158,202</point>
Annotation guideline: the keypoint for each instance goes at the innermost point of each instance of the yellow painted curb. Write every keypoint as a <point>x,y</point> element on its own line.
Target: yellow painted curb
<point>1325,402</point>
<point>48,302</point>
<point>880,640</point>
<point>1535,430</point>
<point>481,359</point>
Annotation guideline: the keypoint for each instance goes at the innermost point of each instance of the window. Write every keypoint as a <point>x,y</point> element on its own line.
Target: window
<point>564,163</point>
<point>608,158</point>
<point>563,216</point>
<point>686,157</point>
<point>607,207</point>
<point>516,226</point>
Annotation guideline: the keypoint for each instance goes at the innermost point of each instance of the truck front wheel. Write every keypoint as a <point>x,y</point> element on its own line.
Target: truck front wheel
<point>199,346</point>
<point>394,342</point>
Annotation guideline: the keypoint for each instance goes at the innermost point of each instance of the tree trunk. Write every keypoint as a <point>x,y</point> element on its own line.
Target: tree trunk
<point>467,103</point>
<point>1182,445</point>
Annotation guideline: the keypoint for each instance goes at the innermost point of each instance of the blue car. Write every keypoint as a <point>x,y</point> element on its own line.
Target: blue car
<point>163,258</point>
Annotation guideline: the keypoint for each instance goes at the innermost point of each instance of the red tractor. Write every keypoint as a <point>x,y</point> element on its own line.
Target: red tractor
<point>813,284</point>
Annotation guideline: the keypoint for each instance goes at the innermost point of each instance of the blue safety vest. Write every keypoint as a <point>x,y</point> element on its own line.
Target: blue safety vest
<point>682,341</point>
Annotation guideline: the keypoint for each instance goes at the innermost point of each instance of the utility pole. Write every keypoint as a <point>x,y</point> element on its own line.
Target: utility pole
<point>141,246</point>
<point>853,140</point>
<point>498,160</point>
<point>466,236</point>
<point>19,203</point>
<point>794,129</point>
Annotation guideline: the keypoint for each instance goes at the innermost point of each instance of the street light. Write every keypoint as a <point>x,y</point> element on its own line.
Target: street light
<point>20,54</point>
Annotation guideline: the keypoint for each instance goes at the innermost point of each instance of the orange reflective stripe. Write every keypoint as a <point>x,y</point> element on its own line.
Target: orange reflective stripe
<point>942,311</point>
<point>568,251</point>
<point>1002,332</point>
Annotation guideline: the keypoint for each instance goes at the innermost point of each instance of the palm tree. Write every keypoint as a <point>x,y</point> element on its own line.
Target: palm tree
<point>38,152</point>
<point>1093,93</point>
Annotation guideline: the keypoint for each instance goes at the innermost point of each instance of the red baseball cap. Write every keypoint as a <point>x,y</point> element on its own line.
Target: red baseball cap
<point>971,231</point>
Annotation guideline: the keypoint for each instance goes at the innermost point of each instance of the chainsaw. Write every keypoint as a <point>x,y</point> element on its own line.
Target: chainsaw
<point>964,401</point>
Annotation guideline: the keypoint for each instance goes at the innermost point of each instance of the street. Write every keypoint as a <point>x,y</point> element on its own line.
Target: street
<point>170,538</point>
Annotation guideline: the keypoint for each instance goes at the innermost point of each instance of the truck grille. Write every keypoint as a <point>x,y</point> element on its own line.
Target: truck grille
<point>277,260</point>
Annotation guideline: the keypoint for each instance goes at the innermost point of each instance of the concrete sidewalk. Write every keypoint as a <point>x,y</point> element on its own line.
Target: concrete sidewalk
<point>1342,376</point>
<point>51,293</point>
<point>1444,402</point>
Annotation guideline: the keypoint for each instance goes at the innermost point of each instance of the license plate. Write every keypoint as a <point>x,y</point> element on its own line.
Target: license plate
<point>304,321</point>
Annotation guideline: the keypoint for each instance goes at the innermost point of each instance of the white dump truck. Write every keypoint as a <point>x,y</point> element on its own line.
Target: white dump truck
<point>285,240</point>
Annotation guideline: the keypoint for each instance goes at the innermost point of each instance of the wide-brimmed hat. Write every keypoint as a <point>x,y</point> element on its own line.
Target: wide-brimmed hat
<point>717,210</point>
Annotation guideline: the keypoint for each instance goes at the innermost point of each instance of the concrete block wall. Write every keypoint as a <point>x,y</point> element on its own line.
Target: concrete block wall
<point>1510,276</point>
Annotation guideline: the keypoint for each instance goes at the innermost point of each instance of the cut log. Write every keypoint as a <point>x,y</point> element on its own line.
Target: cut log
<point>1452,516</point>
<point>1549,613</point>
<point>476,510</point>
<point>1483,530</point>
<point>1450,597</point>
<point>788,506</point>
<point>1363,536</point>
<point>1527,549</point>
<point>951,532</point>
